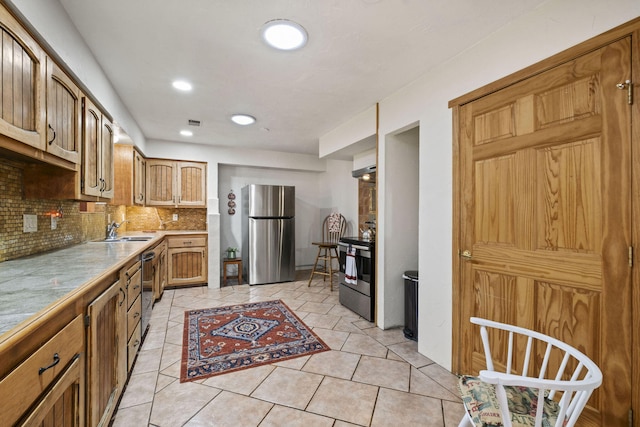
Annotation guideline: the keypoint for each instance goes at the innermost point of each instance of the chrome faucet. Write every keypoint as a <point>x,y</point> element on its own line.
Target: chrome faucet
<point>112,230</point>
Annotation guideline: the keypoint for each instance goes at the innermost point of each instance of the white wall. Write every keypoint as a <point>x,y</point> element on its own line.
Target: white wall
<point>314,199</point>
<point>322,186</point>
<point>554,26</point>
<point>398,221</point>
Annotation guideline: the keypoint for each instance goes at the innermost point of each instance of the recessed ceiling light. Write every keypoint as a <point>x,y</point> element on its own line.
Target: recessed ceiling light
<point>182,85</point>
<point>284,34</point>
<point>186,133</point>
<point>243,119</point>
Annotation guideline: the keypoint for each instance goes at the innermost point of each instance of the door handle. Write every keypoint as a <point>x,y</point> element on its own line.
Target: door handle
<point>466,254</point>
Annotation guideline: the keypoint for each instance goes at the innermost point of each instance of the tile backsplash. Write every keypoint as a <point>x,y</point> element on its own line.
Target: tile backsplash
<point>75,226</point>
<point>14,242</point>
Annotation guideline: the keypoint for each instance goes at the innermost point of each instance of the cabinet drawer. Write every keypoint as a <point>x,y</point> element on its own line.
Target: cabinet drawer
<point>133,346</point>
<point>133,315</point>
<point>187,242</point>
<point>134,285</point>
<point>28,381</point>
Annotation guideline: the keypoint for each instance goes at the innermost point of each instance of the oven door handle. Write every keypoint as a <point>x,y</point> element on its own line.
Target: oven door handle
<point>362,248</point>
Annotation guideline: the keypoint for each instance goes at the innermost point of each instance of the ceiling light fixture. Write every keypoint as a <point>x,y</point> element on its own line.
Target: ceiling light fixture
<point>186,133</point>
<point>182,85</point>
<point>243,119</point>
<point>284,34</point>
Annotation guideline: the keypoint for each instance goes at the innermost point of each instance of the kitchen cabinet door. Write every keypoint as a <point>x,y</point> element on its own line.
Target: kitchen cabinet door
<point>64,118</point>
<point>176,183</point>
<point>191,183</point>
<point>129,175</point>
<point>161,182</point>
<point>187,260</point>
<point>63,405</point>
<point>48,385</point>
<point>107,353</point>
<point>22,100</point>
<point>160,279</point>
<point>139,178</point>
<point>97,159</point>
<point>106,157</point>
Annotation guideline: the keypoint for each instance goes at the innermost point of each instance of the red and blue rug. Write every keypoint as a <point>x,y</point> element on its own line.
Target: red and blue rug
<point>228,339</point>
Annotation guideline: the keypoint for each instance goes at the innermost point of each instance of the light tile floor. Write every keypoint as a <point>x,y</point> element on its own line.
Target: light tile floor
<point>370,377</point>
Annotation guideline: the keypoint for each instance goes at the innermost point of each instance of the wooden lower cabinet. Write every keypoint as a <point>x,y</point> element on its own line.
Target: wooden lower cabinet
<point>187,263</point>
<point>63,405</point>
<point>48,387</point>
<point>160,279</point>
<point>132,276</point>
<point>107,353</point>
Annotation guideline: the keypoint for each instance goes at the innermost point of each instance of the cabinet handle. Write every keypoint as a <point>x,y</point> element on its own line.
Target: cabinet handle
<point>136,287</point>
<point>187,243</point>
<point>124,297</point>
<point>54,134</point>
<point>141,197</point>
<point>56,360</point>
<point>136,315</point>
<point>136,343</point>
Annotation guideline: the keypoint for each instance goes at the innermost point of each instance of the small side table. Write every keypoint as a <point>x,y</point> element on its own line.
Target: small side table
<point>231,261</point>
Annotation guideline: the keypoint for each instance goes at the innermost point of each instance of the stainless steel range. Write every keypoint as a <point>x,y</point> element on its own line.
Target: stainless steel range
<point>360,296</point>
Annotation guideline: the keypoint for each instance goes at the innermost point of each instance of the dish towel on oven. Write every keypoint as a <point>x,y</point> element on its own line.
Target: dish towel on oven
<point>350,271</point>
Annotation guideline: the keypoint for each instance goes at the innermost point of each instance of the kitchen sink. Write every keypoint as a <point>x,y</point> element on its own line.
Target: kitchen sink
<point>129,239</point>
<point>136,238</point>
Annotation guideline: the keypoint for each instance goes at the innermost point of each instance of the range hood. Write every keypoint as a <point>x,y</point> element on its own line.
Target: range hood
<point>364,171</point>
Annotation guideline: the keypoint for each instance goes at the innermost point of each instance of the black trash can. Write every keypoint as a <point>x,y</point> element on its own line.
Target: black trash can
<point>411,304</point>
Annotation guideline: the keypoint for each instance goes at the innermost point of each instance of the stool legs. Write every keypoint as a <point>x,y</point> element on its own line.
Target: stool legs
<point>326,255</point>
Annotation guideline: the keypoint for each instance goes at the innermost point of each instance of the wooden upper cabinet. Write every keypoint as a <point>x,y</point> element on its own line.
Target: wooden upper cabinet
<point>106,157</point>
<point>191,183</point>
<point>64,119</point>
<point>161,182</point>
<point>130,172</point>
<point>22,71</point>
<point>139,178</point>
<point>176,183</point>
<point>97,159</point>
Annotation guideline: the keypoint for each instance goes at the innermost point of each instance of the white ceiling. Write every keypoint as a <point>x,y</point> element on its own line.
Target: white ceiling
<point>359,52</point>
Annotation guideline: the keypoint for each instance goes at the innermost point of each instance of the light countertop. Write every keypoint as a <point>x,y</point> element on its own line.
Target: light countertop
<point>30,284</point>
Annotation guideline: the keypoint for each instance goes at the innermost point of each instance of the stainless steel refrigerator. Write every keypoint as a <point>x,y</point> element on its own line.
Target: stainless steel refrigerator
<point>268,233</point>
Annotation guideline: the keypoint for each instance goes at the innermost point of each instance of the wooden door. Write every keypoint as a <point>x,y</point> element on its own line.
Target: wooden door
<point>192,184</point>
<point>545,187</point>
<point>107,353</point>
<point>160,182</point>
<point>91,167</point>
<point>63,114</point>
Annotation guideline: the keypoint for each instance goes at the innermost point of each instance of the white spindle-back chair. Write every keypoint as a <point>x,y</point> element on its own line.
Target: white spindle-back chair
<point>565,388</point>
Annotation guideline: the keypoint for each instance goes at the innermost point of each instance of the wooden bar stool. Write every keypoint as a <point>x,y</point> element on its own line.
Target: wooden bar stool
<point>231,261</point>
<point>333,228</point>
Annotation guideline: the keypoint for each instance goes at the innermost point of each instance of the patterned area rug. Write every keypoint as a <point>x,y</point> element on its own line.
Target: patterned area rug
<point>227,339</point>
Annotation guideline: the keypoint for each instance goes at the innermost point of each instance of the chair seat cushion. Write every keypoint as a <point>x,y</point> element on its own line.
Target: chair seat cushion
<point>481,402</point>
